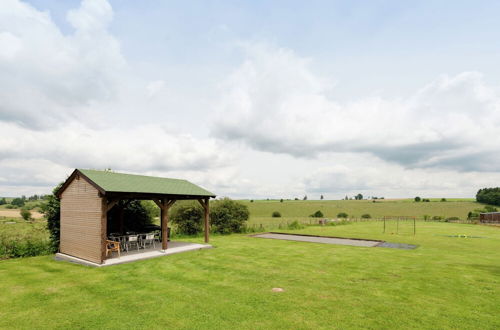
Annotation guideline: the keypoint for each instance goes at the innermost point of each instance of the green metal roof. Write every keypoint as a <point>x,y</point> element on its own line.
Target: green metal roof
<point>121,182</point>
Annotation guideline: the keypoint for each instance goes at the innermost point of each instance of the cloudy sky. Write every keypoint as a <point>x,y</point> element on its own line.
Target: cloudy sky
<point>253,99</point>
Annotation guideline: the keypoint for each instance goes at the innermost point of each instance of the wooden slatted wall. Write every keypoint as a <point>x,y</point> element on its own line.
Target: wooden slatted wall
<point>81,221</point>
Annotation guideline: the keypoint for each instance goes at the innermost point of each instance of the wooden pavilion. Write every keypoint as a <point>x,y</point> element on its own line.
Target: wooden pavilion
<point>88,195</point>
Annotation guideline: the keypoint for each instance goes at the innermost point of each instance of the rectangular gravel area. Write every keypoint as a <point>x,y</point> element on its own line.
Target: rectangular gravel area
<point>318,239</point>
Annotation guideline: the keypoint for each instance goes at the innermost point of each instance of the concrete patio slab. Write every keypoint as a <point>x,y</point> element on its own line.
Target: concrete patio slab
<point>141,254</point>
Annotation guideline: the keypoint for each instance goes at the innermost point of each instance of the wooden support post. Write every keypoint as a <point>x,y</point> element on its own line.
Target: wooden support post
<point>206,207</point>
<point>165,206</point>
<point>104,227</point>
<point>164,224</point>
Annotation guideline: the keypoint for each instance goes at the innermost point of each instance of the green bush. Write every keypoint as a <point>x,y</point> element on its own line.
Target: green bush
<point>489,196</point>
<point>228,216</point>
<point>135,216</point>
<point>443,199</point>
<point>295,225</point>
<point>437,217</point>
<point>19,202</point>
<point>366,216</point>
<point>489,208</point>
<point>472,215</point>
<point>317,214</point>
<point>452,218</point>
<point>10,206</point>
<point>24,239</point>
<point>417,199</point>
<point>3,201</point>
<point>276,214</point>
<point>188,217</point>
<point>151,208</point>
<point>26,214</point>
<point>25,248</point>
<point>342,215</point>
<point>51,210</point>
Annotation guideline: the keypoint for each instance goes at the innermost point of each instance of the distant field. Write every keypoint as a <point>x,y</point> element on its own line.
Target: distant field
<point>261,211</point>
<point>34,207</point>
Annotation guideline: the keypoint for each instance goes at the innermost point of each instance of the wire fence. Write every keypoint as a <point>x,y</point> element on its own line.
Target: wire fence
<point>286,224</point>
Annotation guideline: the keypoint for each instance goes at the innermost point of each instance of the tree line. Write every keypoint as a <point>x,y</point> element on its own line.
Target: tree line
<point>489,196</point>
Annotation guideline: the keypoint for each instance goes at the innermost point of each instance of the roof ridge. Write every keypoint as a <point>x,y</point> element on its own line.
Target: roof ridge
<point>121,173</point>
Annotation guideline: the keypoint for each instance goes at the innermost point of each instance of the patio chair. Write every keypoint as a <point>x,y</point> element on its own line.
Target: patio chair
<point>148,239</point>
<point>157,236</point>
<point>112,246</point>
<point>133,240</point>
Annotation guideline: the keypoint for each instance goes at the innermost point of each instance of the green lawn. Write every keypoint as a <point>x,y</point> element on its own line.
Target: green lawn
<point>261,210</point>
<point>445,283</point>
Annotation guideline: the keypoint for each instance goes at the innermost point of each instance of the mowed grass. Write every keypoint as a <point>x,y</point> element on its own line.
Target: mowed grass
<point>447,283</point>
<point>261,210</point>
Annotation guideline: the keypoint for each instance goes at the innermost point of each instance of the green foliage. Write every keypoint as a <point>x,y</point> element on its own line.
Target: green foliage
<point>427,200</point>
<point>26,214</point>
<point>281,200</point>
<point>10,206</point>
<point>472,215</point>
<point>489,208</point>
<point>19,202</point>
<point>295,225</point>
<point>437,217</point>
<point>276,214</point>
<point>52,211</point>
<point>25,248</point>
<point>489,196</point>
<point>23,239</point>
<point>417,199</point>
<point>317,214</point>
<point>3,201</point>
<point>358,197</point>
<point>228,216</point>
<point>151,208</point>
<point>342,215</point>
<point>452,218</point>
<point>305,198</point>
<point>135,216</point>
<point>443,199</point>
<point>366,216</point>
<point>188,217</point>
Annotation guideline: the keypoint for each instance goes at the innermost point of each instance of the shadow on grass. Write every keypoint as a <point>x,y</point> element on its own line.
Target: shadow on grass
<point>495,270</point>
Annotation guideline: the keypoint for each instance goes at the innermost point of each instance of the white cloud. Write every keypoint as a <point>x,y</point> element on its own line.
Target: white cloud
<point>92,16</point>
<point>352,174</point>
<point>274,102</point>
<point>47,76</point>
<point>63,97</point>
<point>143,149</point>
